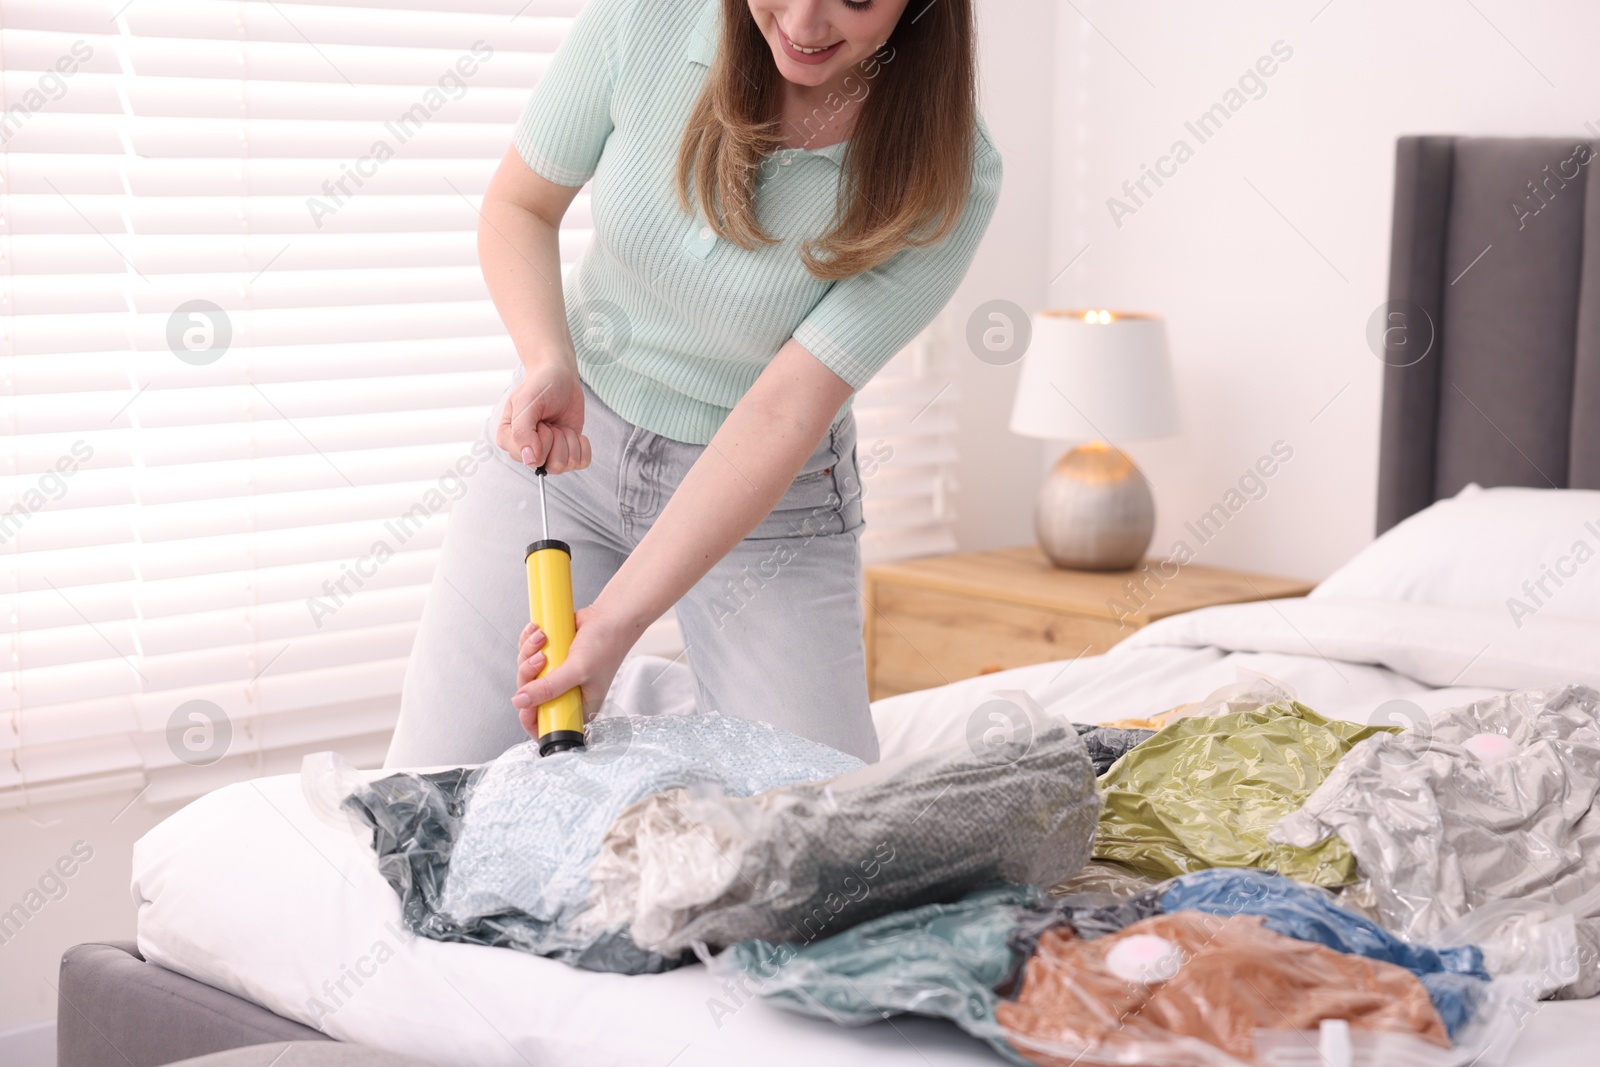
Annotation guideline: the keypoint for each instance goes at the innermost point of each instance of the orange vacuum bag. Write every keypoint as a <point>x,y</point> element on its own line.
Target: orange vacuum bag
<point>1148,992</point>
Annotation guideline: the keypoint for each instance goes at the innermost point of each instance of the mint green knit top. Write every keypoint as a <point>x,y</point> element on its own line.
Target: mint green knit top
<point>671,323</point>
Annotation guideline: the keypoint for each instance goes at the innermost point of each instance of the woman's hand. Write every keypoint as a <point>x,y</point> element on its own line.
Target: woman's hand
<point>519,251</point>
<point>592,661</point>
<point>734,484</point>
<point>542,424</point>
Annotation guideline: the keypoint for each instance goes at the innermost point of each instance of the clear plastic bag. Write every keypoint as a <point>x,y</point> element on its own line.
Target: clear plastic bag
<point>959,961</point>
<point>1191,989</point>
<point>807,861</point>
<point>1205,791</point>
<point>1539,946</point>
<point>940,960</point>
<point>1454,977</point>
<point>500,854</point>
<point>1492,806</point>
<point>326,779</point>
<point>1327,1047</point>
<point>1253,690</point>
<point>1107,744</point>
<point>1105,878</point>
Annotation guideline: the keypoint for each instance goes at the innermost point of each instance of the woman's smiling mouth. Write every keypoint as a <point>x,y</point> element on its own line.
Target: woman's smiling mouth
<point>807,54</point>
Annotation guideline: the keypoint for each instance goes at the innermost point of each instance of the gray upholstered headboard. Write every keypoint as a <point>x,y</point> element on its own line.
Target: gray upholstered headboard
<point>1496,252</point>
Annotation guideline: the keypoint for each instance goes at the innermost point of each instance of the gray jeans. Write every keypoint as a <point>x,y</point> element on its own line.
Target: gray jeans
<point>772,632</point>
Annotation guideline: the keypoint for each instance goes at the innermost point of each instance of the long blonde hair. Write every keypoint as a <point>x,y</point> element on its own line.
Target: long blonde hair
<point>907,169</point>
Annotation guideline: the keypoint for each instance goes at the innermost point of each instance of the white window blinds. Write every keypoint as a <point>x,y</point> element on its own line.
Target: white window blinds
<point>245,346</point>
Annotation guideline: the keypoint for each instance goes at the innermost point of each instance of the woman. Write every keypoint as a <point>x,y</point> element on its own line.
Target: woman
<point>785,192</point>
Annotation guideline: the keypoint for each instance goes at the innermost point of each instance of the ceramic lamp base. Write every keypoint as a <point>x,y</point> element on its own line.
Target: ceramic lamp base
<point>1095,511</point>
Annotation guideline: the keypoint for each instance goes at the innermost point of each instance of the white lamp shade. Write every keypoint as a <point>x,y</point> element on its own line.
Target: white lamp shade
<point>1096,375</point>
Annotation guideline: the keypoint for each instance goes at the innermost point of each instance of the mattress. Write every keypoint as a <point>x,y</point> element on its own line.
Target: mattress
<point>265,891</point>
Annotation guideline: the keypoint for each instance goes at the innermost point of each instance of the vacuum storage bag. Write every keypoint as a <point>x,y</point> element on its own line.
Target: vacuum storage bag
<point>941,960</point>
<point>806,861</point>
<point>1205,791</point>
<point>1191,989</point>
<point>962,962</point>
<point>500,855</point>
<point>1488,806</point>
<point>1455,978</point>
<point>1107,744</point>
<point>951,961</point>
<point>1106,879</point>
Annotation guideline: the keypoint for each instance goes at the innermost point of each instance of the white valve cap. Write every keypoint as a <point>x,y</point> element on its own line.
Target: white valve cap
<point>1144,958</point>
<point>1333,1044</point>
<point>1491,748</point>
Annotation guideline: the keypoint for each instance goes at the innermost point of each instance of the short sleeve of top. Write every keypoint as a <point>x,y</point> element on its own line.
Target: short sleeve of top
<point>862,321</point>
<point>565,124</point>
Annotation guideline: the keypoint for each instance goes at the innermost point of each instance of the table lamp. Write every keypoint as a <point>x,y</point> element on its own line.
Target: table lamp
<point>1095,377</point>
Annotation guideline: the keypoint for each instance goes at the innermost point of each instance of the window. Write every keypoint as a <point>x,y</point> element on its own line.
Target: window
<point>244,344</point>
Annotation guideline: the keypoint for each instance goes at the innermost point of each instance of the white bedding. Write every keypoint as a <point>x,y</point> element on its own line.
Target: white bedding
<point>248,890</point>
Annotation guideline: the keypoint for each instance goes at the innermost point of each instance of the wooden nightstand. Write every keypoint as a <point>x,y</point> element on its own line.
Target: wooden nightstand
<point>937,620</point>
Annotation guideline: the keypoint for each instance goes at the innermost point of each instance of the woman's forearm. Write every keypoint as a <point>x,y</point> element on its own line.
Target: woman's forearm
<point>519,250</point>
<point>731,488</point>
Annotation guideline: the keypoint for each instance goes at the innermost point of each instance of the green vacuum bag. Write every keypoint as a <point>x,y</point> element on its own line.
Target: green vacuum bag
<point>1204,792</point>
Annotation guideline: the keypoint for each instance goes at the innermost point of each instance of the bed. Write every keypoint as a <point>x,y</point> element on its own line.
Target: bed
<point>252,891</point>
<point>263,918</point>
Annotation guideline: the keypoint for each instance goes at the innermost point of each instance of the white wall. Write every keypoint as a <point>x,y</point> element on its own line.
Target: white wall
<point>1267,323</point>
<point>92,904</point>
<point>996,471</point>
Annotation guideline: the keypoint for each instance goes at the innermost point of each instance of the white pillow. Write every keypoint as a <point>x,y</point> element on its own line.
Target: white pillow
<point>1526,551</point>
